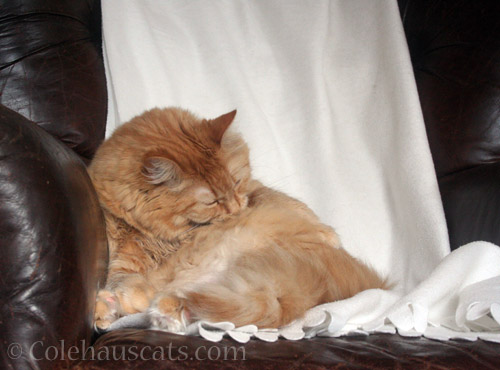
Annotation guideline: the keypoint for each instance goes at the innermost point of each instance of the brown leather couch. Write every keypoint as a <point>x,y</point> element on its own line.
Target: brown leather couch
<point>52,118</point>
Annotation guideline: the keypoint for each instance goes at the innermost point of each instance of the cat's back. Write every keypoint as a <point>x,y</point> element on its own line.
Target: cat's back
<point>272,217</point>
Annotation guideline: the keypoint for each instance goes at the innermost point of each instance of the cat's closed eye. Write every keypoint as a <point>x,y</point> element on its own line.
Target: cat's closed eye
<point>212,203</point>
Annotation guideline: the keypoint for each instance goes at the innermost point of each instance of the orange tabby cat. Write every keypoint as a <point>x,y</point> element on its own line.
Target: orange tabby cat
<point>192,236</point>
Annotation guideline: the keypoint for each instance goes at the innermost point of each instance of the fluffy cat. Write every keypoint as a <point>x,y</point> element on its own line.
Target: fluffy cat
<point>192,236</point>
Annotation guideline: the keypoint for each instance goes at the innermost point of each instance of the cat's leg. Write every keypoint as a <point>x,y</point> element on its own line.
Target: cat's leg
<point>127,291</point>
<point>134,295</point>
<point>169,313</point>
<point>168,309</point>
<point>106,309</point>
<point>127,295</point>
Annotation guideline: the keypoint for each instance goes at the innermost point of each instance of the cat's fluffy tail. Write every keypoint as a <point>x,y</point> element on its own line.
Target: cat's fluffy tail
<point>262,308</point>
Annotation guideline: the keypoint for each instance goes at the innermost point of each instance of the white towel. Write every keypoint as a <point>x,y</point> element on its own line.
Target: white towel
<point>327,102</point>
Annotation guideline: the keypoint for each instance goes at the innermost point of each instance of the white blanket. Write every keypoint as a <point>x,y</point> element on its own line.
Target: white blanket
<point>327,102</point>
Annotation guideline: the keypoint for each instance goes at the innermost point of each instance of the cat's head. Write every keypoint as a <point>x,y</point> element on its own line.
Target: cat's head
<point>179,171</point>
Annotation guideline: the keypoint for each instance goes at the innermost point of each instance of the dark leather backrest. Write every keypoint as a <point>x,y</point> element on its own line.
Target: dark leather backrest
<point>455,50</point>
<point>51,68</point>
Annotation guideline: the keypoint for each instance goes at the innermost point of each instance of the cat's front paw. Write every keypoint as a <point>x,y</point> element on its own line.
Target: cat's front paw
<point>167,313</point>
<point>106,309</point>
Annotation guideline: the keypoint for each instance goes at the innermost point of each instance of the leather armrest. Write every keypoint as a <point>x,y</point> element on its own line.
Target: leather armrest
<point>471,200</point>
<point>53,251</point>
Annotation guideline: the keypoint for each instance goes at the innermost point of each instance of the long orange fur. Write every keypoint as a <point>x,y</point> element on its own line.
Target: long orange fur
<point>192,236</point>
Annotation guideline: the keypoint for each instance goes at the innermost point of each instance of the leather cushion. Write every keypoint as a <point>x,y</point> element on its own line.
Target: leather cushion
<point>373,352</point>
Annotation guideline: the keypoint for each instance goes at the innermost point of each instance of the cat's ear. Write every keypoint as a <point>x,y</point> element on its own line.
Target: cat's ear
<point>161,170</point>
<point>219,125</point>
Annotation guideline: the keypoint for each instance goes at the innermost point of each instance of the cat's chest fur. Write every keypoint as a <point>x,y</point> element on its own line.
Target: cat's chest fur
<point>135,251</point>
